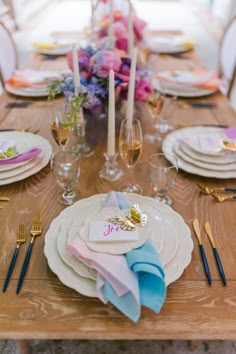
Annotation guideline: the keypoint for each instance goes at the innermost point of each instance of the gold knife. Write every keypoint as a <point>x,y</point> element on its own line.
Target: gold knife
<point>196,229</point>
<point>216,254</point>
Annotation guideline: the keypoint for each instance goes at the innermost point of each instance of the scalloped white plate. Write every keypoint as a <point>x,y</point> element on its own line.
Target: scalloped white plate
<point>175,252</point>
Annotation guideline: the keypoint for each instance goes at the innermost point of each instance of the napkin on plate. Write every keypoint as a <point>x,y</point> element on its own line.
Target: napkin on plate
<point>116,282</point>
<point>196,78</point>
<point>23,157</point>
<point>140,281</point>
<point>143,261</point>
<point>30,78</point>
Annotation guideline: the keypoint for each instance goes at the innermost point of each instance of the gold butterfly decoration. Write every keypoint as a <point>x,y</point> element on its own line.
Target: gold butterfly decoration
<point>127,223</point>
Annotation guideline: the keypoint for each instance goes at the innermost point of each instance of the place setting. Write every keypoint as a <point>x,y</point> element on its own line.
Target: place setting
<point>22,154</point>
<point>187,83</point>
<point>109,227</point>
<point>169,44</point>
<point>204,151</point>
<point>52,45</point>
<point>30,83</point>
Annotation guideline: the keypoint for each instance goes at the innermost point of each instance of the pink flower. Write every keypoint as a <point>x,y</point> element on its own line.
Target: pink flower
<point>139,26</point>
<point>104,61</point>
<point>122,43</point>
<point>143,89</point>
<point>83,62</point>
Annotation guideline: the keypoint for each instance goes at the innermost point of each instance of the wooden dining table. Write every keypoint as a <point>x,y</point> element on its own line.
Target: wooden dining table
<point>47,309</point>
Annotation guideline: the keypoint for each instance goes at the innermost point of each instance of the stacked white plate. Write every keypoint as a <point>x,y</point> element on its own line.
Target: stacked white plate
<point>182,83</point>
<point>200,151</point>
<point>170,236</point>
<point>169,44</point>
<point>35,77</point>
<point>13,172</point>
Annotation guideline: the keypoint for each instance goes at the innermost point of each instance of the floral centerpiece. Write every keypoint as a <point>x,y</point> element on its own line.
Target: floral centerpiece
<point>94,67</point>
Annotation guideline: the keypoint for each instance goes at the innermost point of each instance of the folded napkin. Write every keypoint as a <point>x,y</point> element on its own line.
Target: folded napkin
<point>116,282</point>
<point>30,78</point>
<point>230,133</point>
<point>140,280</point>
<point>197,78</point>
<point>23,157</point>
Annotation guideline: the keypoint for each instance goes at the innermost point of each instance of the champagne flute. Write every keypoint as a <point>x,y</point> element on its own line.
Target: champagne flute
<point>162,172</point>
<point>66,169</point>
<point>60,131</point>
<point>166,110</point>
<point>130,147</point>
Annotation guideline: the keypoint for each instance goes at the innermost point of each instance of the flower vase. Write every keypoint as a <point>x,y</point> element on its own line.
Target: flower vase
<point>78,140</point>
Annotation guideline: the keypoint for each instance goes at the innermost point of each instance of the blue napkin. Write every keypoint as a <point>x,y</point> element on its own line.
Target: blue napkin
<point>145,263</point>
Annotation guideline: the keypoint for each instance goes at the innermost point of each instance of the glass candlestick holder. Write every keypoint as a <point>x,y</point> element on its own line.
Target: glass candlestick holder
<point>82,147</point>
<point>110,171</point>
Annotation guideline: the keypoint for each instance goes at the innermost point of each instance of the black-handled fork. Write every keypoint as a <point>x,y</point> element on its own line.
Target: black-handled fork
<point>21,238</point>
<point>36,230</point>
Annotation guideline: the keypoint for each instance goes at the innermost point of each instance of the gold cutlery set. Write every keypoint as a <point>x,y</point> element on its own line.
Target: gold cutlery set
<point>207,228</point>
<point>36,230</point>
<point>220,194</point>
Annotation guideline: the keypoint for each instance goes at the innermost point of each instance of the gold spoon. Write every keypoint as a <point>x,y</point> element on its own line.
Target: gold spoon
<point>222,198</point>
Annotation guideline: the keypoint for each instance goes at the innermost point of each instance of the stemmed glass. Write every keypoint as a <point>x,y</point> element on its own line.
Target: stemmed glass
<point>162,174</point>
<point>164,126</point>
<point>130,147</point>
<point>60,131</point>
<point>66,169</point>
<point>155,103</point>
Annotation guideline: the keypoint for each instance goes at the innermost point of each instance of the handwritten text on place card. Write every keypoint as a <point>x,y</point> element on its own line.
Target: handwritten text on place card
<point>104,231</point>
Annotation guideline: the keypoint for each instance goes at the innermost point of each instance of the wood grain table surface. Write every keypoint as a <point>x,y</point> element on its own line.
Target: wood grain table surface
<point>45,308</point>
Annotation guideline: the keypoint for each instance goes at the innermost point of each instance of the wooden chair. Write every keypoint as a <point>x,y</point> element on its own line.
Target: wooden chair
<point>227,56</point>
<point>8,54</point>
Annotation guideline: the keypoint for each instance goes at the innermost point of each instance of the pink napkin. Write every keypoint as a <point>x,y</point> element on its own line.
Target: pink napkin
<point>109,266</point>
<point>23,157</point>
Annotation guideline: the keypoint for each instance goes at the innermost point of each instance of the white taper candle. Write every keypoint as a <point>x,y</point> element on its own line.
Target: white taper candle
<point>130,101</point>
<point>130,31</point>
<point>76,76</point>
<point>111,116</point>
<point>110,28</point>
<point>75,67</point>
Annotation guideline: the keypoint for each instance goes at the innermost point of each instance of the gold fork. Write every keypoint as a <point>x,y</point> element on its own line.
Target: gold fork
<point>211,190</point>
<point>36,230</point>
<point>222,198</point>
<point>21,238</point>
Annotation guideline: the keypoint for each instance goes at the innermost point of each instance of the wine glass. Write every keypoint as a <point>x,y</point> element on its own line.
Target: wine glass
<point>66,169</point>
<point>60,131</point>
<point>162,174</point>
<point>155,103</point>
<point>130,147</point>
<point>166,109</point>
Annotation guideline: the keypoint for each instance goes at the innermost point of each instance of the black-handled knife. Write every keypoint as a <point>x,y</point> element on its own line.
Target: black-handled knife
<point>216,254</point>
<point>196,229</point>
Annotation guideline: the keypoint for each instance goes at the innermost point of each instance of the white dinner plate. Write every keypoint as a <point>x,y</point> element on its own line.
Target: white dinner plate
<point>177,136</point>
<point>174,89</point>
<point>55,51</point>
<point>169,44</point>
<point>23,91</point>
<point>176,250</point>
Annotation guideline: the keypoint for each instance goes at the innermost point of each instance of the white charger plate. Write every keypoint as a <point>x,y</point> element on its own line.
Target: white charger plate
<point>175,263</point>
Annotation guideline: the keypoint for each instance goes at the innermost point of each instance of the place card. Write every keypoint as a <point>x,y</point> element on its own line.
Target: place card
<point>104,231</point>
